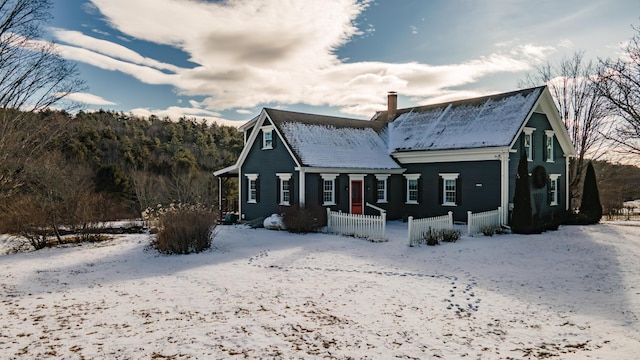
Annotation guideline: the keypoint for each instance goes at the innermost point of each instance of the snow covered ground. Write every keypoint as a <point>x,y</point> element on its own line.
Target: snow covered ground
<point>572,293</point>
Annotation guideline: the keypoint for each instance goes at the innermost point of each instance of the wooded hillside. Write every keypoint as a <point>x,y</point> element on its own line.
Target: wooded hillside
<point>113,165</point>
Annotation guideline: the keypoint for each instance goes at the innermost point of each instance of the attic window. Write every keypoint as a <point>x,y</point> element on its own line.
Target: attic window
<point>267,137</point>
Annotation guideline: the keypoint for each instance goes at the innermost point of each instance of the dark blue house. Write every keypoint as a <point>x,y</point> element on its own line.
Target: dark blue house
<point>423,161</point>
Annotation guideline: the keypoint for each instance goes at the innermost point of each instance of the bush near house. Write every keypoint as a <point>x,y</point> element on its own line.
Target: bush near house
<point>304,219</point>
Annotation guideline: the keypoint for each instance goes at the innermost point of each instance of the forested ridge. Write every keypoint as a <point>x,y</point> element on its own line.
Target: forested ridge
<point>105,165</point>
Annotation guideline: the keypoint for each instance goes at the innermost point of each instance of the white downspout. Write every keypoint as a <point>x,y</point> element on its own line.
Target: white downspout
<point>302,185</point>
<point>504,186</point>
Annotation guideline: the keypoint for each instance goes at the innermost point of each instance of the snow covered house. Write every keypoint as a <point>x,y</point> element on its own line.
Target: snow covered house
<point>422,161</point>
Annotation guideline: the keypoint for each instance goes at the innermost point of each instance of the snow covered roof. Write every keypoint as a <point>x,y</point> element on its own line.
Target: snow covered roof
<point>333,142</point>
<point>474,123</point>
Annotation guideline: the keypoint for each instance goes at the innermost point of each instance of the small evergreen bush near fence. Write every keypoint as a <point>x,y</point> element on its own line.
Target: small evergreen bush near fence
<point>184,229</point>
<point>434,237</point>
<point>304,219</point>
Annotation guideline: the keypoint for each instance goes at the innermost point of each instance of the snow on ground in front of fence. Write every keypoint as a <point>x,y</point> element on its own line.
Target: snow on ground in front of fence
<point>572,293</point>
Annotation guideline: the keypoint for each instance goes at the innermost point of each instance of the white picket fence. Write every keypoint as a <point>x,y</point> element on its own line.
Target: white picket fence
<point>370,227</point>
<point>477,221</point>
<point>417,228</point>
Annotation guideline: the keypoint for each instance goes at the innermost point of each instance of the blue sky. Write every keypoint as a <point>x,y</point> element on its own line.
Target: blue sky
<point>225,60</point>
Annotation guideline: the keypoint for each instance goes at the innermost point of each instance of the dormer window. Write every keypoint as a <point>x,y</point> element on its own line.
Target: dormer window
<point>267,137</point>
<point>528,142</point>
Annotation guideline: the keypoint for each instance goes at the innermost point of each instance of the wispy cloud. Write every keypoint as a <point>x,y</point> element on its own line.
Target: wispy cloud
<point>286,54</point>
<point>90,99</point>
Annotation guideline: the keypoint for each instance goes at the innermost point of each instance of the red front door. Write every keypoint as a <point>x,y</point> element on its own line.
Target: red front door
<point>356,196</point>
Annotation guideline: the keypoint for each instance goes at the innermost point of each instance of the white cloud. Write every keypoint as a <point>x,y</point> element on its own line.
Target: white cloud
<point>108,48</point>
<point>87,98</point>
<point>566,43</point>
<point>285,54</point>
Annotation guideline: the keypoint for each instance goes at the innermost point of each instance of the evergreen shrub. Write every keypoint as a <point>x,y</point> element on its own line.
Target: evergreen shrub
<point>590,205</point>
<point>522,216</point>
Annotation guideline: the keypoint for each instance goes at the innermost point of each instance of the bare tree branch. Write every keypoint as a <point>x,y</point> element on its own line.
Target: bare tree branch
<point>582,109</point>
<point>33,78</point>
<point>619,83</point>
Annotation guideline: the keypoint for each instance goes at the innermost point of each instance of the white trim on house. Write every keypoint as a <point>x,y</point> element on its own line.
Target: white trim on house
<point>317,170</point>
<point>547,106</point>
<point>229,169</point>
<point>504,186</point>
<point>302,198</point>
<point>435,156</point>
<point>254,134</point>
<point>567,206</point>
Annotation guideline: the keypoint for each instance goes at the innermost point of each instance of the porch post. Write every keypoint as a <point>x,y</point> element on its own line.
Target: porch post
<point>220,197</point>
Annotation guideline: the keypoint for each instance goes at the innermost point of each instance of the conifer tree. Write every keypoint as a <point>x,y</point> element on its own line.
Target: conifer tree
<point>522,216</point>
<point>590,205</point>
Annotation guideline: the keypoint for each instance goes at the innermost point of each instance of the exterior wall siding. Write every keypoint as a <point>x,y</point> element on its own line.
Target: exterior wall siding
<point>267,163</point>
<point>539,196</point>
<point>479,183</point>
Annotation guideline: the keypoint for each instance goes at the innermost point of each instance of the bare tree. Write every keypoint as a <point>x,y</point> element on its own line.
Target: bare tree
<point>619,83</point>
<point>33,77</point>
<point>583,110</point>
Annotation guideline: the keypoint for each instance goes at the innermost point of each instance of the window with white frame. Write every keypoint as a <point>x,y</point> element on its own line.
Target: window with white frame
<point>412,188</point>
<point>328,189</point>
<point>449,189</point>
<point>549,145</point>
<point>381,188</point>
<point>528,142</point>
<point>267,137</point>
<point>553,189</point>
<point>285,188</point>
<point>252,188</point>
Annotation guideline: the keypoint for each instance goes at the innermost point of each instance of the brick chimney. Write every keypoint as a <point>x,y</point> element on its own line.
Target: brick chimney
<point>392,105</point>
